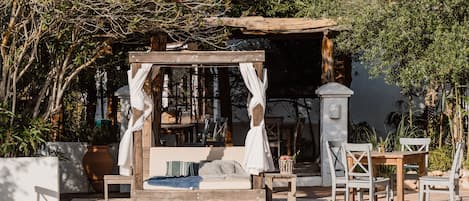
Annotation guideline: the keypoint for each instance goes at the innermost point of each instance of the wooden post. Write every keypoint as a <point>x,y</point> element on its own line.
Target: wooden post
<point>327,51</point>
<point>152,125</point>
<point>225,100</point>
<point>138,157</point>
<point>258,117</point>
<point>343,70</point>
<point>158,43</point>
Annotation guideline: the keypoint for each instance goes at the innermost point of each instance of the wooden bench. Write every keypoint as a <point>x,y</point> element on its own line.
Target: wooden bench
<point>115,179</point>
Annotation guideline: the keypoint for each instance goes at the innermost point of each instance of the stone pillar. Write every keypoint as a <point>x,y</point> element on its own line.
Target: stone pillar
<point>334,120</point>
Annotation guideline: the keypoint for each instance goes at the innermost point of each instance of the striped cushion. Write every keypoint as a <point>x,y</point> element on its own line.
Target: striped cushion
<point>181,169</point>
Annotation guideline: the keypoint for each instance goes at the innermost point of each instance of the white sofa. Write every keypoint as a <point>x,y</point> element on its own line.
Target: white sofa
<point>160,155</point>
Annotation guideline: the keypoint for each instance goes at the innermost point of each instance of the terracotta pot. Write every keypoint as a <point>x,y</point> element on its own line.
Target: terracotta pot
<point>97,162</point>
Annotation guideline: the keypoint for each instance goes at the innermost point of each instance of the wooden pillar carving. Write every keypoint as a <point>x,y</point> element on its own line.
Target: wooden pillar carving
<point>327,52</point>
<point>137,163</point>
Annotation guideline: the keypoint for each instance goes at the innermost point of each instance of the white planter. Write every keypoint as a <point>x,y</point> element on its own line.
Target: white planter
<point>29,178</point>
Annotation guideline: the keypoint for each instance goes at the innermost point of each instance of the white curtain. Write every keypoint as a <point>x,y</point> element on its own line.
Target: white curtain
<point>140,101</point>
<point>257,156</point>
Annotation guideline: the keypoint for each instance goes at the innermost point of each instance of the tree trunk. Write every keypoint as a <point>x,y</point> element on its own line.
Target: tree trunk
<point>431,97</point>
<point>91,97</point>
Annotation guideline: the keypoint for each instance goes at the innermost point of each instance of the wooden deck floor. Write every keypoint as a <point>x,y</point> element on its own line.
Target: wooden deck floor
<point>280,194</point>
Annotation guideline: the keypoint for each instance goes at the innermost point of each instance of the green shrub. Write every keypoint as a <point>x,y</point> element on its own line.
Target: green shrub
<point>440,158</point>
<point>21,136</point>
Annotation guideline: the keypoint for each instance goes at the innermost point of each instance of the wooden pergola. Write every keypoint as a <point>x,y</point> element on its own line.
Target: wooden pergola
<point>303,27</point>
<point>143,139</point>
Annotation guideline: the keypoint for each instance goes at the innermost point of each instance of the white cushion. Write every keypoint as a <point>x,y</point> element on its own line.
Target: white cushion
<point>229,182</point>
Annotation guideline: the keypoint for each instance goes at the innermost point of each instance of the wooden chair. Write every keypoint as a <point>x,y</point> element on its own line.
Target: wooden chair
<point>300,123</point>
<point>272,128</point>
<point>415,144</point>
<point>360,175</point>
<point>219,129</point>
<point>337,165</point>
<point>214,131</point>
<point>452,182</point>
<point>206,131</point>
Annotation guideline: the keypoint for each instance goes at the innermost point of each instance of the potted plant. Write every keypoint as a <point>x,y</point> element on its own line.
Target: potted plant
<point>382,144</point>
<point>97,161</point>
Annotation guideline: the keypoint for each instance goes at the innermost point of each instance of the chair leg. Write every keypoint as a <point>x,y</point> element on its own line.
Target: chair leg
<point>421,189</point>
<point>427,192</point>
<point>371,195</point>
<point>451,193</point>
<point>347,193</point>
<point>333,192</point>
<point>387,192</point>
<point>105,191</point>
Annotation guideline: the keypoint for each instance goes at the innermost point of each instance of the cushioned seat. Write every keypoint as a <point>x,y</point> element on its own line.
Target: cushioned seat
<point>195,182</point>
<point>173,183</point>
<point>228,182</point>
<point>217,174</point>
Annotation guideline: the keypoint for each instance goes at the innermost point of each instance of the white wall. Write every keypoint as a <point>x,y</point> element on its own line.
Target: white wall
<point>373,99</point>
<point>29,179</point>
<point>72,177</point>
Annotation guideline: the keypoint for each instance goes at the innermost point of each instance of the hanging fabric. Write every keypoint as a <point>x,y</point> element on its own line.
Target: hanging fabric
<point>257,156</point>
<point>142,102</point>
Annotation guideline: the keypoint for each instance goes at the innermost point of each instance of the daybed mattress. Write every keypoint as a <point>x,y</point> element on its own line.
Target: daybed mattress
<point>197,182</point>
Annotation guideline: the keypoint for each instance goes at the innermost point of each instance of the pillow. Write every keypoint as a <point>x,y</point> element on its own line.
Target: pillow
<point>220,168</point>
<point>181,169</point>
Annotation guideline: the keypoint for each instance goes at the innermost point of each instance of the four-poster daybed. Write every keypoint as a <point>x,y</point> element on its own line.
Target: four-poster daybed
<point>136,151</point>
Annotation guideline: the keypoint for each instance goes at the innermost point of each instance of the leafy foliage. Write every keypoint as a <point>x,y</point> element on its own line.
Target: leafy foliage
<point>440,158</point>
<point>22,138</point>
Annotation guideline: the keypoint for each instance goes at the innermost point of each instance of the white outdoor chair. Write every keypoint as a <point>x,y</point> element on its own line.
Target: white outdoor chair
<point>452,182</point>
<point>219,129</point>
<point>337,165</point>
<point>360,175</point>
<point>415,144</point>
<point>272,128</point>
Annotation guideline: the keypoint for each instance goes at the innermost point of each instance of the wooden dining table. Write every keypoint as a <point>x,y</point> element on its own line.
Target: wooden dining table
<point>185,131</point>
<point>398,159</point>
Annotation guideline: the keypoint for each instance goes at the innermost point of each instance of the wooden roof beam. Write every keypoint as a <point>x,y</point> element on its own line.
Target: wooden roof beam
<point>197,57</point>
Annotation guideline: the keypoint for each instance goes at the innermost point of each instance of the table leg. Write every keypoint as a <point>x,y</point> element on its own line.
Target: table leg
<point>269,185</point>
<point>422,168</point>
<point>400,180</point>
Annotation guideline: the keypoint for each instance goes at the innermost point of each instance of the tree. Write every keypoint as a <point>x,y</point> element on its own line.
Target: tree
<point>52,41</point>
<point>21,30</point>
<point>421,46</point>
